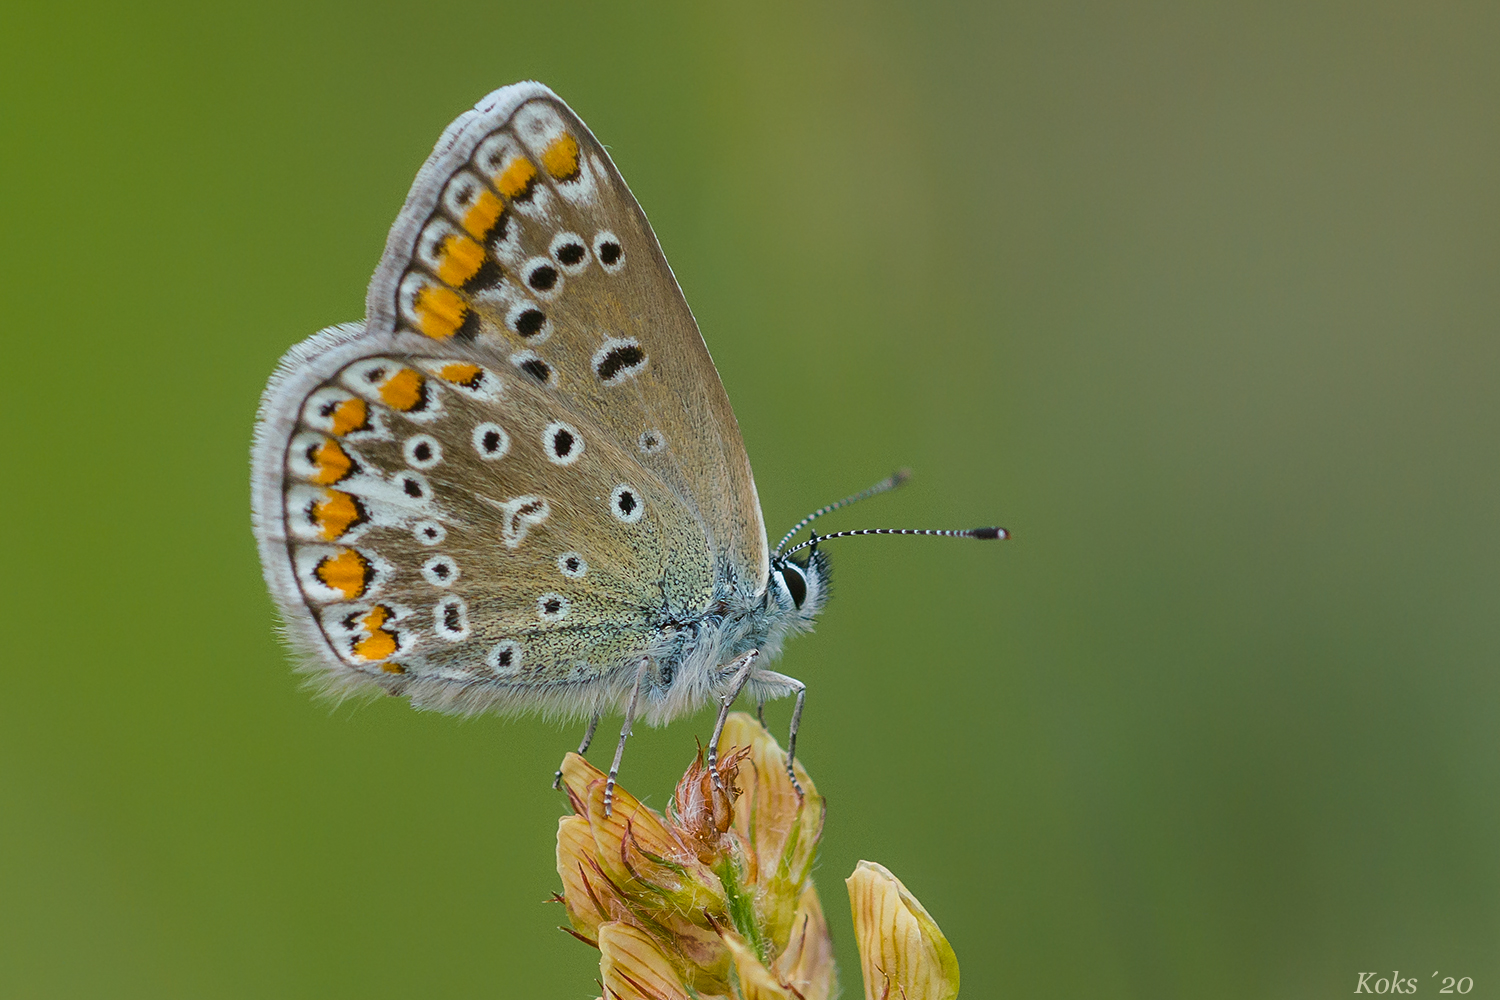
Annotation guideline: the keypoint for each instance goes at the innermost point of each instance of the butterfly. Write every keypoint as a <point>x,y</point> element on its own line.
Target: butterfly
<point>518,484</point>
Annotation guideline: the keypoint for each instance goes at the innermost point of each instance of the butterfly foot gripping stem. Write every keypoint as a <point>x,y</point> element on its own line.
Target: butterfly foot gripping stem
<point>741,673</point>
<point>770,677</point>
<point>583,748</point>
<point>791,740</point>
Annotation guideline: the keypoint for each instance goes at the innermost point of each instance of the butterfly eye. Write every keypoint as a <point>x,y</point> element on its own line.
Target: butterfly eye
<point>795,583</point>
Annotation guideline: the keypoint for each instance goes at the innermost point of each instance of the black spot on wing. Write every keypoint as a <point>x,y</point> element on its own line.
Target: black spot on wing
<point>489,274</point>
<point>620,359</point>
<point>542,277</point>
<point>530,322</point>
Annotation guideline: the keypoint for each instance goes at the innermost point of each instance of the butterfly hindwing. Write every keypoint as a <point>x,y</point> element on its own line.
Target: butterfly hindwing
<point>446,529</point>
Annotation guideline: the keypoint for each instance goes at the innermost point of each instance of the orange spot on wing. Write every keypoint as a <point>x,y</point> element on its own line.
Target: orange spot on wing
<point>404,390</point>
<point>377,646</point>
<point>336,513</point>
<point>379,642</point>
<point>515,180</point>
<point>440,311</point>
<point>348,572</point>
<point>483,214</point>
<point>333,463</point>
<point>461,258</point>
<point>350,415</point>
<point>462,373</point>
<point>561,157</point>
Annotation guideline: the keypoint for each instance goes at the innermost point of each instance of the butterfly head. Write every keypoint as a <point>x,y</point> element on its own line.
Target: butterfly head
<point>800,588</point>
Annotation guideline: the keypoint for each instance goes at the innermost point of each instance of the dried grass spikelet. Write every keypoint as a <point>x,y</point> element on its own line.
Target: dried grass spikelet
<point>715,899</point>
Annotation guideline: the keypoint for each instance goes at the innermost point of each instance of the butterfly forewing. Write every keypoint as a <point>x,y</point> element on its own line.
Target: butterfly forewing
<point>520,237</point>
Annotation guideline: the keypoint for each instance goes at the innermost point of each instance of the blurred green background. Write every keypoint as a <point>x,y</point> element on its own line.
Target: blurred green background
<point>1199,300</point>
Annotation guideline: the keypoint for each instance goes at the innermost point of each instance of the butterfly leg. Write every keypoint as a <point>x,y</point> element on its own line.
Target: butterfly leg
<point>614,769</point>
<point>588,737</point>
<point>760,711</point>
<point>741,667</point>
<point>771,677</point>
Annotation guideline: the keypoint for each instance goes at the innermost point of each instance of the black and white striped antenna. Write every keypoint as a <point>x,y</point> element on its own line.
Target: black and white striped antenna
<point>987,533</point>
<point>884,486</point>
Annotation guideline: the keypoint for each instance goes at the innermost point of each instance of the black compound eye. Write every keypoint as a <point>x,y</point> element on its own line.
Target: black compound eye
<point>796,583</point>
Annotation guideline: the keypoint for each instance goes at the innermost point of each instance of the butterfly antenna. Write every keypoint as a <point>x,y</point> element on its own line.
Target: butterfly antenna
<point>942,532</point>
<point>884,486</point>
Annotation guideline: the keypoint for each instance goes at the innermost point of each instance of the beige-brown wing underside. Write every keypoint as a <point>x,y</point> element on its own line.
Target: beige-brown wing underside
<point>521,241</point>
<point>452,531</point>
